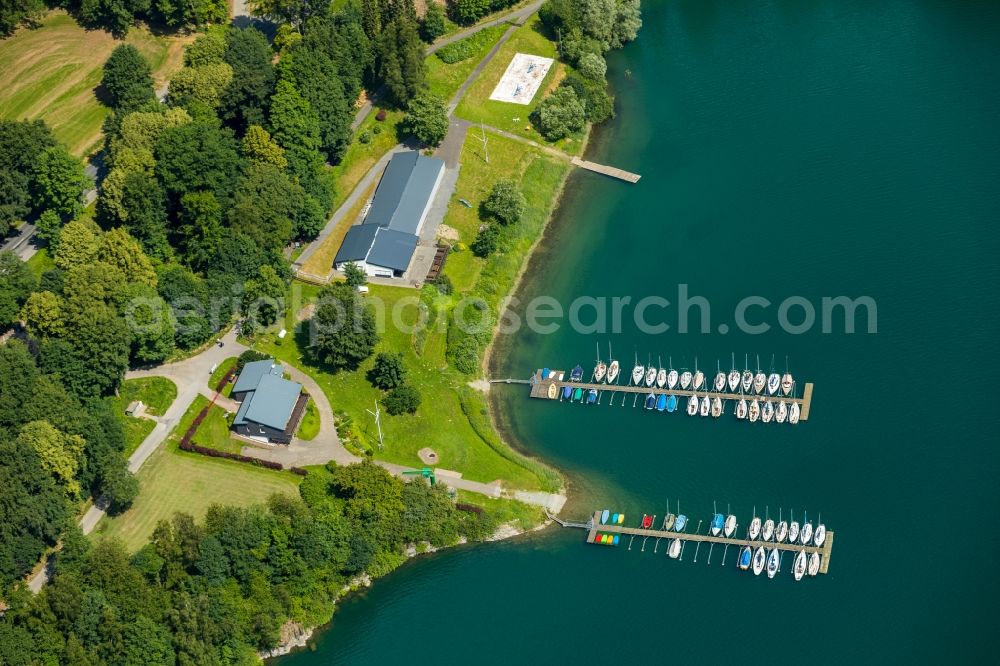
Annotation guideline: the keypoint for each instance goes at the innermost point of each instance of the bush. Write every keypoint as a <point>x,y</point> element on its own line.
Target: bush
<point>560,114</point>
<point>365,137</point>
<point>388,371</point>
<point>487,241</point>
<point>432,25</point>
<point>465,357</point>
<point>443,284</point>
<point>592,66</point>
<point>215,453</point>
<point>402,399</point>
<point>506,202</point>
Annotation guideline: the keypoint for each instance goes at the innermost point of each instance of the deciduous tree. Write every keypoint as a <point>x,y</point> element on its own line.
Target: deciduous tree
<point>506,202</point>
<point>127,79</point>
<point>58,452</point>
<point>342,329</point>
<point>59,182</point>
<point>427,119</point>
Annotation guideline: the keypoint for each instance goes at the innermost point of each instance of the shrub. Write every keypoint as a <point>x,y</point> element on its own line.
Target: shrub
<point>487,241</point>
<point>592,66</point>
<point>506,202</point>
<point>465,357</point>
<point>388,371</point>
<point>560,114</point>
<point>402,399</point>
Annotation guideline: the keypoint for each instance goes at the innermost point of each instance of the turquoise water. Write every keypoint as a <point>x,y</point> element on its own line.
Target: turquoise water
<point>788,148</point>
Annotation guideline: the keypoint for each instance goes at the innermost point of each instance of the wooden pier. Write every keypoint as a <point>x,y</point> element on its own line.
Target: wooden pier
<point>540,389</point>
<point>614,172</point>
<point>825,550</point>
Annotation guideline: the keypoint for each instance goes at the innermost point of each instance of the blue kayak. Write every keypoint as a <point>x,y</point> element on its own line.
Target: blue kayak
<point>672,404</point>
<point>616,540</point>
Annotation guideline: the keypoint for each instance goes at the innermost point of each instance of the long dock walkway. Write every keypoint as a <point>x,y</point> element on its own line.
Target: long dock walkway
<point>540,389</point>
<point>614,172</point>
<point>825,550</point>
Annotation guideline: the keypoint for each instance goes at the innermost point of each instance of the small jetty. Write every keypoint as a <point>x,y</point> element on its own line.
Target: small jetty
<point>614,533</point>
<point>614,172</point>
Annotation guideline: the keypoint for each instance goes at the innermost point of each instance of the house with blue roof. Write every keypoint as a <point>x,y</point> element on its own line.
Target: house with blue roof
<point>384,243</point>
<point>270,405</point>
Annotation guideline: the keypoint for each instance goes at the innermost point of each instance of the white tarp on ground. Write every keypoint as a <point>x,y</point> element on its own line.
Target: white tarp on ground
<point>520,82</point>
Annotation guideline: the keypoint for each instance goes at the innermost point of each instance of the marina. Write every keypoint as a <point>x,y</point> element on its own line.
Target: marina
<point>767,406</point>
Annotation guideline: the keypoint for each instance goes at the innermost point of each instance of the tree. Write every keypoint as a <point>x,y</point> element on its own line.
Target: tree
<point>560,113</point>
<point>260,149</point>
<point>197,156</point>
<point>427,119</point>
<point>15,12</point>
<point>14,199</point>
<point>402,400</point>
<point>149,321</point>
<point>354,275</point>
<point>402,65</point>
<point>42,314</point>
<point>204,84</point>
<point>117,248</point>
<point>245,101</point>
<point>144,209</point>
<point>468,12</point>
<point>58,452</point>
<point>78,244</point>
<point>318,79</point>
<point>98,355</point>
<point>295,12</point>
<point>208,49</point>
<point>127,79</point>
<point>593,66</point>
<point>267,204</point>
<point>200,230</point>
<point>342,329</point>
<point>626,23</point>
<point>506,202</point>
<point>16,284</point>
<point>294,123</point>
<point>48,226</point>
<point>487,241</point>
<point>432,25</point>
<point>59,182</point>
<point>264,298</point>
<point>116,16</point>
<point>388,371</point>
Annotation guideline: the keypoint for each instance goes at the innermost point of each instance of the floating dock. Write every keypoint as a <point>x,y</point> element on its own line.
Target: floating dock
<point>540,389</point>
<point>614,172</point>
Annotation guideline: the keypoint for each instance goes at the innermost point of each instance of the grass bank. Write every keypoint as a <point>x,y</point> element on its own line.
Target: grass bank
<point>157,393</point>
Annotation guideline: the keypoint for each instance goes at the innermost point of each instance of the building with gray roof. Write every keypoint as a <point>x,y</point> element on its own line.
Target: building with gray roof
<point>383,244</point>
<point>270,405</point>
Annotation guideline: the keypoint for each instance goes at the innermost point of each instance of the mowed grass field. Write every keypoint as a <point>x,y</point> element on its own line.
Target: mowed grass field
<point>52,72</point>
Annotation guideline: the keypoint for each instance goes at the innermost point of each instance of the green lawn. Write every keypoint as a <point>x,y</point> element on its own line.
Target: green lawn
<point>444,79</point>
<point>40,262</point>
<point>219,373</point>
<point>157,392</point>
<point>52,72</point>
<point>477,106</point>
<point>173,480</point>
<point>361,156</point>
<point>309,426</point>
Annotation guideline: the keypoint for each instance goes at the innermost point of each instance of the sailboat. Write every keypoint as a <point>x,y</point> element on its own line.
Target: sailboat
<point>773,382</point>
<point>800,565</point>
<point>781,413</point>
<point>745,556</point>
<point>754,411</point>
<point>786,383</point>
<point>730,526</point>
<point>772,563</point>
<point>685,379</point>
<point>668,522</point>
<point>806,534</point>
<point>692,407</point>
<point>637,372</point>
<point>671,375</point>
<point>720,378</point>
<point>661,374</point>
<point>759,380</point>
<point>793,413</point>
<point>672,403</point>
<point>758,560</point>
<point>674,551</point>
<point>680,522</point>
<point>734,379</point>
<point>813,563</point>
<point>793,531</point>
<point>767,531</point>
<point>754,528</point>
<point>661,402</point>
<point>767,413</point>
<point>600,370</point>
<point>650,401</point>
<point>706,406</point>
<point>613,368</point>
<point>741,409</point>
<point>820,536</point>
<point>717,407</point>
<point>650,374</point>
<point>718,521</point>
<point>699,377</point>
<point>781,531</point>
<point>747,380</point>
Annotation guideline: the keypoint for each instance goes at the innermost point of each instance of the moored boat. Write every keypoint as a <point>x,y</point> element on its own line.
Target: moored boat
<point>692,407</point>
<point>661,377</point>
<point>674,551</point>
<point>650,376</point>
<point>720,381</point>
<point>767,531</point>
<point>699,380</point>
<point>767,413</point>
<point>746,382</point>
<point>578,394</point>
<point>600,370</point>
<point>661,402</point>
<point>734,379</point>
<point>591,396</point>
<point>717,407</point>
<point>672,403</point>
<point>647,521</point>
<point>746,555</point>
<point>604,516</point>
<point>651,401</point>
<point>637,372</point>
<point>613,370</point>
<point>730,526</point>
<point>781,531</point>
<point>552,391</point>
<point>567,392</point>
<point>772,563</point>
<point>759,382</point>
<point>773,382</point>
<point>820,536</point>
<point>576,374</point>
<point>706,406</point>
<point>672,378</point>
<point>614,518</point>
<point>786,383</point>
<point>806,534</point>
<point>718,522</point>
<point>793,413</point>
<point>668,522</point>
<point>814,563</point>
<point>754,528</point>
<point>681,522</point>
<point>793,531</point>
<point>800,565</point>
<point>758,560</point>
<point>685,379</point>
<point>781,413</point>
<point>621,518</point>
<point>754,411</point>
<point>741,409</point>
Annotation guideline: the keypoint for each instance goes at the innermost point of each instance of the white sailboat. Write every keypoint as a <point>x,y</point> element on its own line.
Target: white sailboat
<point>758,560</point>
<point>793,413</point>
<point>754,411</point>
<point>699,377</point>
<point>638,370</point>
<point>741,409</point>
<point>730,526</point>
<point>754,528</point>
<point>813,563</point>
<point>717,407</point>
<point>820,536</point>
<point>800,565</point>
<point>806,534</point>
<point>685,380</point>
<point>734,379</point>
<point>768,530</point>
<point>720,381</point>
<point>661,374</point>
<point>772,563</point>
<point>781,413</point>
<point>773,382</point>
<point>793,531</point>
<point>692,407</point>
<point>650,376</point>
<point>671,379</point>
<point>706,406</point>
<point>780,531</point>
<point>674,551</point>
<point>613,372</point>
<point>747,381</point>
<point>759,379</point>
<point>767,413</point>
<point>786,383</point>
